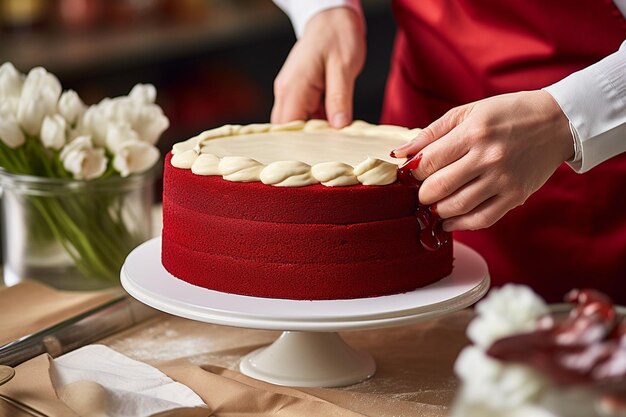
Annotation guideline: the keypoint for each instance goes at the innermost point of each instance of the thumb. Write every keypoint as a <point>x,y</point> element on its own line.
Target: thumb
<point>432,132</point>
<point>339,91</point>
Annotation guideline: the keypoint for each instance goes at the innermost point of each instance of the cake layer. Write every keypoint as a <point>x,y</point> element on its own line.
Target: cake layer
<point>290,242</point>
<point>311,242</point>
<point>315,204</point>
<point>313,281</point>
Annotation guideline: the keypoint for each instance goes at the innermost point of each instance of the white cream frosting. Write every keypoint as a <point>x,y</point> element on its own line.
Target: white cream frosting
<point>375,172</point>
<point>206,164</point>
<point>334,174</point>
<point>185,159</point>
<point>296,154</point>
<point>288,174</point>
<point>240,169</point>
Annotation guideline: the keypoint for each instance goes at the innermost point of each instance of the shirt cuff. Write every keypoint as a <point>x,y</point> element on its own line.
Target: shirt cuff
<point>301,11</point>
<point>594,101</point>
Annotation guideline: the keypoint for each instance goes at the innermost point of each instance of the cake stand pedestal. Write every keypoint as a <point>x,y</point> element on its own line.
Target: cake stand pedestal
<point>309,353</point>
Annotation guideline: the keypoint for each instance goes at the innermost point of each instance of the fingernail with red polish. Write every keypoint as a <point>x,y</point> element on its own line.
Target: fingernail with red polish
<point>393,154</point>
<point>401,148</point>
<point>433,209</point>
<point>413,163</point>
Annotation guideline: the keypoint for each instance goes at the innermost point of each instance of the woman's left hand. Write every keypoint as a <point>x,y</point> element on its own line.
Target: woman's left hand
<point>481,160</point>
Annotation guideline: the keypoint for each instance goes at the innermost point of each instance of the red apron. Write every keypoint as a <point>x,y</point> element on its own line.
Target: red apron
<point>572,232</point>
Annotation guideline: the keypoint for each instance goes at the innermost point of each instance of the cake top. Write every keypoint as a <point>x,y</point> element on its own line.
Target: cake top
<point>296,154</point>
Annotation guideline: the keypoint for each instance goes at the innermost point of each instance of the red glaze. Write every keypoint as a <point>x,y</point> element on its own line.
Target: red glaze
<point>432,236</point>
<point>310,242</point>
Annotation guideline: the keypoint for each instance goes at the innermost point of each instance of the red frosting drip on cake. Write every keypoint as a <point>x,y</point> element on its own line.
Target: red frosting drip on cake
<point>311,242</point>
<point>431,232</point>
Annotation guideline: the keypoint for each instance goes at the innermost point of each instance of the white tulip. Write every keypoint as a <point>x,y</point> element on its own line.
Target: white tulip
<point>140,117</point>
<point>53,131</point>
<point>119,133</point>
<point>151,123</point>
<point>30,114</point>
<point>80,142</point>
<point>6,109</point>
<point>73,133</point>
<point>38,80</point>
<point>10,132</point>
<point>143,94</point>
<point>11,81</point>
<point>10,105</point>
<point>39,97</point>
<point>98,119</point>
<point>134,156</point>
<point>83,160</point>
<point>125,110</point>
<point>94,123</point>
<point>93,163</point>
<point>71,106</point>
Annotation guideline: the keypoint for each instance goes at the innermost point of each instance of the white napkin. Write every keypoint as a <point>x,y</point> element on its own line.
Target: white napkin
<point>98,381</point>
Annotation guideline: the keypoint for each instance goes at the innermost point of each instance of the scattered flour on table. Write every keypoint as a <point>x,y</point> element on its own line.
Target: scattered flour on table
<point>390,403</point>
<point>223,360</point>
<point>160,342</point>
<point>401,389</point>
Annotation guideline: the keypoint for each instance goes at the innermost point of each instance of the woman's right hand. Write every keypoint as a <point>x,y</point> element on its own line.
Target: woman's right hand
<point>325,61</point>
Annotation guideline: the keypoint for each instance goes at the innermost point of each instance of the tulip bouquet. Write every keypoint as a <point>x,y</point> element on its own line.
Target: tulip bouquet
<point>49,133</point>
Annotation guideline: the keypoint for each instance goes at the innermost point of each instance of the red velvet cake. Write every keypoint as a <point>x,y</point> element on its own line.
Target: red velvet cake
<point>296,238</point>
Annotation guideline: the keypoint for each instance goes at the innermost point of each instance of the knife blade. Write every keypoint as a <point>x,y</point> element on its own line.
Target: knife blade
<point>80,330</point>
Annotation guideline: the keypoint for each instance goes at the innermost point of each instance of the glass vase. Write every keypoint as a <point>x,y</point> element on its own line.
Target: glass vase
<point>73,234</point>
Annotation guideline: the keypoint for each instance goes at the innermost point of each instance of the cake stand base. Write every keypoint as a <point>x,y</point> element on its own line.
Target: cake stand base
<point>308,359</point>
<point>309,353</point>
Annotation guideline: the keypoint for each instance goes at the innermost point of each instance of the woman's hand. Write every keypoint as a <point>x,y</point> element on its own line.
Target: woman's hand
<point>482,159</point>
<point>325,60</point>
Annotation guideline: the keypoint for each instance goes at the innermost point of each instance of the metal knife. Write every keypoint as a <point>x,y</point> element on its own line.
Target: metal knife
<point>90,326</point>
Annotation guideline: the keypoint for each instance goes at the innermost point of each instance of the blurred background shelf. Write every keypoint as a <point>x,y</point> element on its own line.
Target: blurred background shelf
<point>212,61</point>
<point>74,52</point>
<point>142,39</point>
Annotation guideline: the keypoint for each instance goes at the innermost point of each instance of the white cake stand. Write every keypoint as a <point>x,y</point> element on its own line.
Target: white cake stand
<point>309,353</point>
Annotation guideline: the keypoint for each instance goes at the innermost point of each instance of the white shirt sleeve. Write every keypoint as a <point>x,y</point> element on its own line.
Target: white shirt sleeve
<point>300,11</point>
<point>594,101</point>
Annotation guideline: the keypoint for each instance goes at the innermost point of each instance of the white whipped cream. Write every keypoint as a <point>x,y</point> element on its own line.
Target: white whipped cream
<point>491,388</point>
<point>505,311</point>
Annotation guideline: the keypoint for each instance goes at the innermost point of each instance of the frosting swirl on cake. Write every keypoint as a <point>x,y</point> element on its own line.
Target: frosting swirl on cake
<point>296,154</point>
